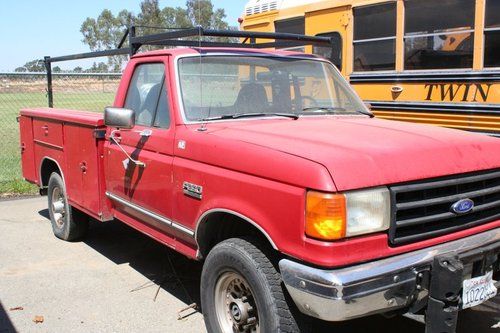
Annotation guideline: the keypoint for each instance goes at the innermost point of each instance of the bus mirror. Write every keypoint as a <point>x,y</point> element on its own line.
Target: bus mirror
<point>119,118</point>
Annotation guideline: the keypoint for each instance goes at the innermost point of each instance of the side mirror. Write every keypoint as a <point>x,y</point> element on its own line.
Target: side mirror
<point>119,118</point>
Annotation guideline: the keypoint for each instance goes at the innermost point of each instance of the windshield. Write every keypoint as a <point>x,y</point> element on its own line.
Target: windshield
<point>218,87</point>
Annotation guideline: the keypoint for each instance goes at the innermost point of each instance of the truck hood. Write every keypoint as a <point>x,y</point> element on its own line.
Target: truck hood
<point>362,152</point>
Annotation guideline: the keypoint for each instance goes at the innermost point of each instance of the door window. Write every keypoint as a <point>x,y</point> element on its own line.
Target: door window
<point>147,96</point>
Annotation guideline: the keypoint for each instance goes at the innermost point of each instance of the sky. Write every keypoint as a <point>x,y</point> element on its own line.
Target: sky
<point>32,29</point>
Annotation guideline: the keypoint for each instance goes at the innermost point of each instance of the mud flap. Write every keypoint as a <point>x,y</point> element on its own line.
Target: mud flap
<point>444,294</point>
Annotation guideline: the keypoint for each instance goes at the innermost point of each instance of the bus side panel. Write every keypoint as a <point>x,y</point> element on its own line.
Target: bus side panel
<point>460,104</point>
<point>331,20</point>
<point>27,149</point>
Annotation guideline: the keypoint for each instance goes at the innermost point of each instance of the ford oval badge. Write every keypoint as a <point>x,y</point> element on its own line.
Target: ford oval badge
<point>462,206</point>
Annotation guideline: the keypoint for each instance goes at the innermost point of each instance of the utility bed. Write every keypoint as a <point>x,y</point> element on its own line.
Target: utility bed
<point>45,133</point>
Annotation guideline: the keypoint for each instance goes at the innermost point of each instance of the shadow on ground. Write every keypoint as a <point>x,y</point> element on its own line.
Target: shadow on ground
<point>6,325</point>
<point>180,277</point>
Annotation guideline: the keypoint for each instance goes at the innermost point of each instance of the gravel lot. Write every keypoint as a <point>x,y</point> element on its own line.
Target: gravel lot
<point>119,280</point>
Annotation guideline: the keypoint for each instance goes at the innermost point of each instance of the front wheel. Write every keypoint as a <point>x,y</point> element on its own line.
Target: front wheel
<point>241,291</point>
<point>67,223</point>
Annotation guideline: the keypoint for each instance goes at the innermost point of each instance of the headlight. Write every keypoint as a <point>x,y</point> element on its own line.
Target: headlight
<point>335,216</point>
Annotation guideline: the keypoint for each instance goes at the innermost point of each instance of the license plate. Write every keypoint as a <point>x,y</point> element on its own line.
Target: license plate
<point>478,290</point>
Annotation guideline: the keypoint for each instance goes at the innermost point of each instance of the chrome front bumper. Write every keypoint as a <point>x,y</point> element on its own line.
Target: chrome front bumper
<point>373,287</point>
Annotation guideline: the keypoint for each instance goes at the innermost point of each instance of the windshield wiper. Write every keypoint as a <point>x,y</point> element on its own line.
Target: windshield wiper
<point>264,114</point>
<point>225,116</point>
<point>325,109</point>
<point>251,115</point>
<point>333,110</point>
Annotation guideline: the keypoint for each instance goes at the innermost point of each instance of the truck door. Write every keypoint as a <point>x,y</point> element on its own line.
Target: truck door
<point>144,191</point>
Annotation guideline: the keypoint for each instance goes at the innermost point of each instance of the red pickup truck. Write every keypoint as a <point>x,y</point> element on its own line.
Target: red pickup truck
<point>266,166</point>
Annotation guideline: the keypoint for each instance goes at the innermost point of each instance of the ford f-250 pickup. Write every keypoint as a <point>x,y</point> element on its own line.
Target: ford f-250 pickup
<point>266,166</point>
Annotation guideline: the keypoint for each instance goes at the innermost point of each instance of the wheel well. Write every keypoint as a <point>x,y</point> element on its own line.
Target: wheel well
<point>48,166</point>
<point>219,226</point>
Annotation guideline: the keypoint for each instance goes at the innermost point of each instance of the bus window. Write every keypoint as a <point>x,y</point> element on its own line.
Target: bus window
<point>375,37</point>
<point>294,25</point>
<point>492,34</point>
<point>439,34</point>
<point>332,53</point>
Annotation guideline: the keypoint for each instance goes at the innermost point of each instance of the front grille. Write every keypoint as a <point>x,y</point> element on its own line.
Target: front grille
<point>422,209</point>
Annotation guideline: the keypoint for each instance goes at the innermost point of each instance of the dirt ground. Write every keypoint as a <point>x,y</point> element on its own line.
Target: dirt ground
<point>119,280</point>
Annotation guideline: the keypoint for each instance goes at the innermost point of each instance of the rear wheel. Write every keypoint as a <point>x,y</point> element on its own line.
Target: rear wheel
<point>241,290</point>
<point>67,223</point>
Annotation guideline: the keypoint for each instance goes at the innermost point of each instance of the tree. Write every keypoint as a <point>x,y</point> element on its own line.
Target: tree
<point>100,67</point>
<point>201,13</point>
<point>32,66</point>
<point>106,31</point>
<point>176,18</point>
<point>150,16</point>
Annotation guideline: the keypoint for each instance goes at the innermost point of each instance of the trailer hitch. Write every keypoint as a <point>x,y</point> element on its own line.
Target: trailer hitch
<point>444,294</point>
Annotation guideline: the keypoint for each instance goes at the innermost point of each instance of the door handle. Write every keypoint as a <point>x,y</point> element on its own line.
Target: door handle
<point>45,129</point>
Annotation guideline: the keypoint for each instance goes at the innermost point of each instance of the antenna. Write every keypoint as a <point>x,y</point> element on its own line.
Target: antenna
<point>203,126</point>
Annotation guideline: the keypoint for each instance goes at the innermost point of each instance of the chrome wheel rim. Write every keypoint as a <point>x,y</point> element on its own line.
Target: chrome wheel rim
<point>58,207</point>
<point>235,305</point>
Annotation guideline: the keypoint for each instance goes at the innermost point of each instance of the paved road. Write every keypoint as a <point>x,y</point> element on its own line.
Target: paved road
<point>109,282</point>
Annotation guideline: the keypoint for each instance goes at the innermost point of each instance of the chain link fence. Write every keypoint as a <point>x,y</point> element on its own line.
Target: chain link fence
<point>79,91</point>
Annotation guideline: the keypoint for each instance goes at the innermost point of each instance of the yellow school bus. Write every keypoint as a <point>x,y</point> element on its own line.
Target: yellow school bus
<point>425,61</point>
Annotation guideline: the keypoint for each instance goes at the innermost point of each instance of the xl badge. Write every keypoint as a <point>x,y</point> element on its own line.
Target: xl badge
<point>192,190</point>
<point>462,206</point>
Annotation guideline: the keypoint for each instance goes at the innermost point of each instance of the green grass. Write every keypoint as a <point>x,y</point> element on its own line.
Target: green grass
<point>11,182</point>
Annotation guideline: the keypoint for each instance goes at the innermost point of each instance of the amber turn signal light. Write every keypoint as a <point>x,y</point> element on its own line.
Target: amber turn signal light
<point>325,215</point>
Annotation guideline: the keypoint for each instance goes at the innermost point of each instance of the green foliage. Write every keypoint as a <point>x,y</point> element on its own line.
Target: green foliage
<point>106,31</point>
<point>201,13</point>
<point>32,66</point>
<point>99,67</point>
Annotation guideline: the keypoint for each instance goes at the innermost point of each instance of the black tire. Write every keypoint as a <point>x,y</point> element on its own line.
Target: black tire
<point>244,257</point>
<point>68,223</point>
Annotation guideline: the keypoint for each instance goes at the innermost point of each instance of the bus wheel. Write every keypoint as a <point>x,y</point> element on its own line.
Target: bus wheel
<point>241,290</point>
<point>67,223</point>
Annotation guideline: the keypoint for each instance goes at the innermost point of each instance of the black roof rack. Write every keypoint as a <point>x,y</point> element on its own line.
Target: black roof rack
<point>247,39</point>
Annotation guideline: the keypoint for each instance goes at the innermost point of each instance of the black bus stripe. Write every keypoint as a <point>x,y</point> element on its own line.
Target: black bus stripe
<point>471,76</point>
